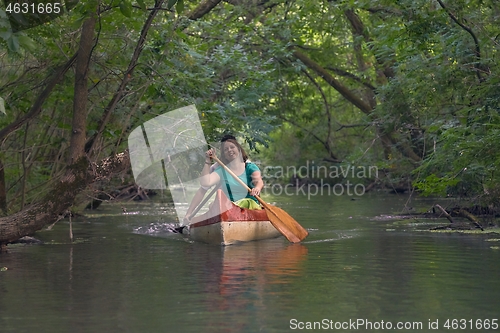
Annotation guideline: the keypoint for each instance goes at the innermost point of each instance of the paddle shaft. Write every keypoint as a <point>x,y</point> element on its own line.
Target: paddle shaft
<point>204,201</point>
<point>179,229</point>
<point>233,174</point>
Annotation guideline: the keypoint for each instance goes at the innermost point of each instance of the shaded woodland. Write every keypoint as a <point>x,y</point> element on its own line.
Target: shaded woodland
<point>410,86</point>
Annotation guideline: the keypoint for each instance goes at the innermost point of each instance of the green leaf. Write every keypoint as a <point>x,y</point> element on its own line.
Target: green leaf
<point>171,3</point>
<point>13,43</point>
<point>179,7</point>
<point>27,42</point>
<point>5,35</point>
<point>142,4</point>
<point>126,8</point>
<point>2,106</point>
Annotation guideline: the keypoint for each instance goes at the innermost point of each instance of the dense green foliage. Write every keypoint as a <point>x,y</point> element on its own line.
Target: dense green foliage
<point>408,86</point>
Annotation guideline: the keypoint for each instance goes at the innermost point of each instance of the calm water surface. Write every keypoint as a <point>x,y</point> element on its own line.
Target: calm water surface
<point>125,273</point>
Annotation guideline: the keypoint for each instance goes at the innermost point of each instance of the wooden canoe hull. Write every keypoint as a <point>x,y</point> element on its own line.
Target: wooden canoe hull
<point>225,223</point>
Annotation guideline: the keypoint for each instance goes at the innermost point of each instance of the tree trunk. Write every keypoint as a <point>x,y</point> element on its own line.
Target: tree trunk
<point>78,176</point>
<point>325,75</point>
<point>202,9</point>
<point>353,98</point>
<point>79,125</point>
<point>3,192</point>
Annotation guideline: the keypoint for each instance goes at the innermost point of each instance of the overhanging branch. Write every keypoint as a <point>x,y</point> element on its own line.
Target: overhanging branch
<point>77,177</point>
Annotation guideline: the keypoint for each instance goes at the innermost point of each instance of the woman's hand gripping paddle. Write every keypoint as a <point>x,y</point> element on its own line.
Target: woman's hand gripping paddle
<point>280,219</point>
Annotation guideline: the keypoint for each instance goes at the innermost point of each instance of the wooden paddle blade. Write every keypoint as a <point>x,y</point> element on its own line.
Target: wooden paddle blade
<point>286,224</point>
<point>292,224</point>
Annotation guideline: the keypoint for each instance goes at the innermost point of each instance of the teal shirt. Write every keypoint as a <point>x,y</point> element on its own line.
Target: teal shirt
<point>238,192</point>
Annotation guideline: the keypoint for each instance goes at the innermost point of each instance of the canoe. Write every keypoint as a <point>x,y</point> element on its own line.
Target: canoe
<point>225,223</point>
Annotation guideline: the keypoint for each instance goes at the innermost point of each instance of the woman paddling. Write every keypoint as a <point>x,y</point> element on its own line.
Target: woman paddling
<point>200,194</point>
<point>234,157</point>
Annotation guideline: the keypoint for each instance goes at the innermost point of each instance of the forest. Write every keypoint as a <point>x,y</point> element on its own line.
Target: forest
<point>411,87</point>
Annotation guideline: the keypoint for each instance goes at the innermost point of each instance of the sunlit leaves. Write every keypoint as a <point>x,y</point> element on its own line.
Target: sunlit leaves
<point>434,185</point>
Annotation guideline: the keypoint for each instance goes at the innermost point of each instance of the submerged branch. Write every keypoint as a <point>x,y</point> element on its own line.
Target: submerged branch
<point>445,213</point>
<point>470,217</point>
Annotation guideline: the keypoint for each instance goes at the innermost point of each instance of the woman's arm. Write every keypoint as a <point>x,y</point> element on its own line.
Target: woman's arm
<point>257,182</point>
<point>208,179</point>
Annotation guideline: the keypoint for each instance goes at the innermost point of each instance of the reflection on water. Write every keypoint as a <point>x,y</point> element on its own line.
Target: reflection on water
<point>237,280</point>
<point>127,273</point>
<point>272,261</point>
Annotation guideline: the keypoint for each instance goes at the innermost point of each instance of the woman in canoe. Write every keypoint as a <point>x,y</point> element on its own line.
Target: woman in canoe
<point>200,194</point>
<point>235,158</point>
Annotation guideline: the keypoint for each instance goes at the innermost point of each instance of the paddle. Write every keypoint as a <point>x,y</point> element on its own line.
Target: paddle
<point>179,229</point>
<point>204,201</point>
<point>280,219</point>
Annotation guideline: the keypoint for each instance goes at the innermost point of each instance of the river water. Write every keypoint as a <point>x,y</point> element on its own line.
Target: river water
<point>359,270</point>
